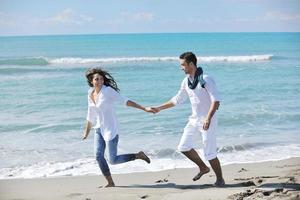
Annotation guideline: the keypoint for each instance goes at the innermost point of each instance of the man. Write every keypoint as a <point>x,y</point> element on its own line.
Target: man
<point>203,94</point>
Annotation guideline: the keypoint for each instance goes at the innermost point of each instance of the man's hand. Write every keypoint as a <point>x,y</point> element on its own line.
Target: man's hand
<point>213,107</point>
<point>155,109</point>
<point>149,110</point>
<point>206,124</point>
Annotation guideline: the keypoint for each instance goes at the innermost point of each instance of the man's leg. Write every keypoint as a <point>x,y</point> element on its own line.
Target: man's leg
<point>193,156</point>
<point>215,164</point>
<point>186,147</point>
<point>210,152</point>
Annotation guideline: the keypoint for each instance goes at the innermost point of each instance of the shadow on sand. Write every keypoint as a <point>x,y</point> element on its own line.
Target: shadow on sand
<point>293,186</point>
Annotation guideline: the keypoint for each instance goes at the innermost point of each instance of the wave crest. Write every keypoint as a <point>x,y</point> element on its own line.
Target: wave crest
<point>79,61</point>
<point>25,61</point>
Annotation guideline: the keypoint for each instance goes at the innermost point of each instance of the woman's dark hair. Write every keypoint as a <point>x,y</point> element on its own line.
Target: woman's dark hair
<point>189,57</point>
<point>108,79</point>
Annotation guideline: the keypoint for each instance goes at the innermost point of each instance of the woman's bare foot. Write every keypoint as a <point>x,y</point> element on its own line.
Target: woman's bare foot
<point>141,155</point>
<point>110,182</point>
<point>200,174</point>
<point>108,185</point>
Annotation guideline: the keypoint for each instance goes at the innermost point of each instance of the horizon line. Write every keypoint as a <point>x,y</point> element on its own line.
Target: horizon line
<point>138,33</point>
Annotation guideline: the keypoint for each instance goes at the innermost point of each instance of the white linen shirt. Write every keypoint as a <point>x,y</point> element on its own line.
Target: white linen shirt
<point>103,112</point>
<point>200,98</point>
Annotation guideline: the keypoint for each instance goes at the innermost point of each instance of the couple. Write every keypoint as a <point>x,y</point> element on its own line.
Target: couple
<point>200,89</point>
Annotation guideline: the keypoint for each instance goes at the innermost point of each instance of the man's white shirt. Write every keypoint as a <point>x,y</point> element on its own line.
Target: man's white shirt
<point>200,98</point>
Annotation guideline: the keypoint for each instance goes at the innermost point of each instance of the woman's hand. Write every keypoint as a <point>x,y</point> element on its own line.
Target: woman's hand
<point>155,109</point>
<point>86,132</point>
<point>85,135</point>
<point>149,110</point>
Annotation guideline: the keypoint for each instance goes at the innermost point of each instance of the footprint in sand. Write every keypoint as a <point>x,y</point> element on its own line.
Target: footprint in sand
<point>162,181</point>
<point>144,196</point>
<point>74,194</point>
<point>242,170</point>
<point>260,194</point>
<point>289,179</point>
<point>259,181</point>
<point>243,179</point>
<point>248,183</point>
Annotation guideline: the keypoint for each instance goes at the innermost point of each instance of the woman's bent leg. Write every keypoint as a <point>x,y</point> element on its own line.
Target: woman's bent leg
<point>113,150</point>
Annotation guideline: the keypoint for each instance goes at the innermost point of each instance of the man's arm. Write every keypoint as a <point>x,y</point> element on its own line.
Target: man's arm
<point>166,105</point>
<point>213,108</point>
<point>179,98</point>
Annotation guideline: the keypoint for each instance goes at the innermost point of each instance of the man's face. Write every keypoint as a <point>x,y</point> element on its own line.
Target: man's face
<point>186,67</point>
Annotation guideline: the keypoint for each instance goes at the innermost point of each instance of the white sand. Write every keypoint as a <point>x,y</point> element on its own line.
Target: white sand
<point>175,184</point>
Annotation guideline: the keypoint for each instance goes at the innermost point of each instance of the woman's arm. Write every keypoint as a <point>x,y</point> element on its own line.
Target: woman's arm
<point>135,105</point>
<point>86,132</point>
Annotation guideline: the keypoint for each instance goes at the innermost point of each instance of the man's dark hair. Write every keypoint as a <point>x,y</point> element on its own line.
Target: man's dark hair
<point>189,57</point>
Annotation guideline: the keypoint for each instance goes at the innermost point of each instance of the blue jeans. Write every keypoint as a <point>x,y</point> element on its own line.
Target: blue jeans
<point>99,149</point>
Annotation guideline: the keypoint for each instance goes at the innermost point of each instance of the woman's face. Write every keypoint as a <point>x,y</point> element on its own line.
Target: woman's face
<point>98,80</point>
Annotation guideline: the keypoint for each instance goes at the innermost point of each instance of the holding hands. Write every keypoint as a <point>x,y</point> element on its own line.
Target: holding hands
<point>151,110</point>
<point>157,109</point>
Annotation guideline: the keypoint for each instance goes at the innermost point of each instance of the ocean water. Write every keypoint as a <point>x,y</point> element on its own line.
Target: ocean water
<point>43,100</point>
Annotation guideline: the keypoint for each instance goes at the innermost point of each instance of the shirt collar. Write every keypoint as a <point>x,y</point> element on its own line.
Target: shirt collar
<point>92,89</point>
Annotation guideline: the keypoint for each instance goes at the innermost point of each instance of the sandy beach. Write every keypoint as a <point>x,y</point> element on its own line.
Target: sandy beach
<point>266,180</point>
<point>100,87</point>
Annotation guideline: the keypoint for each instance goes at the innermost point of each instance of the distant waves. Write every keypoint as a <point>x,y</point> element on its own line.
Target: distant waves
<point>31,61</point>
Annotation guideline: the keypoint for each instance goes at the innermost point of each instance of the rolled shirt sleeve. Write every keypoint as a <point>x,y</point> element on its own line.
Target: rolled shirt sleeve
<point>181,95</point>
<point>116,96</point>
<point>212,89</point>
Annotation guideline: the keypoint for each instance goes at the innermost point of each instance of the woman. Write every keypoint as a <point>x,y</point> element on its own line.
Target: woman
<point>102,96</point>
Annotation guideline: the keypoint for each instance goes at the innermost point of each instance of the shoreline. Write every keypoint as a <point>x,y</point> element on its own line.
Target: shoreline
<point>189,166</point>
<point>149,171</point>
<point>276,179</point>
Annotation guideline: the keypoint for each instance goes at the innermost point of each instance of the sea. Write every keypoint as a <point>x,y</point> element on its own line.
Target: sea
<point>43,99</point>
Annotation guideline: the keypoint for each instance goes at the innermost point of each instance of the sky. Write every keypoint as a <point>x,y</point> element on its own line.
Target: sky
<point>56,17</point>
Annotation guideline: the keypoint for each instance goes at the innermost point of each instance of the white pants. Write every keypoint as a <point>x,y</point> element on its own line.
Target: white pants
<point>187,141</point>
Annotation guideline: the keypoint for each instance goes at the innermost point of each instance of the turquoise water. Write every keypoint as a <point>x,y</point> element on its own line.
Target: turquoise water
<point>43,98</point>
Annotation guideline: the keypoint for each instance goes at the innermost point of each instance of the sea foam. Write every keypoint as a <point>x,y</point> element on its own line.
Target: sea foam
<point>88,166</point>
<point>33,61</point>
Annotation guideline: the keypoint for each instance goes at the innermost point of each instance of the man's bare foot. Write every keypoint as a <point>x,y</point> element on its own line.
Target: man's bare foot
<point>200,174</point>
<point>220,183</point>
<point>141,155</point>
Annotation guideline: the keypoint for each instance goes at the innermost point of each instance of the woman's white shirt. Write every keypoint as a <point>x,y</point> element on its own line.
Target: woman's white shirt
<point>102,113</point>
